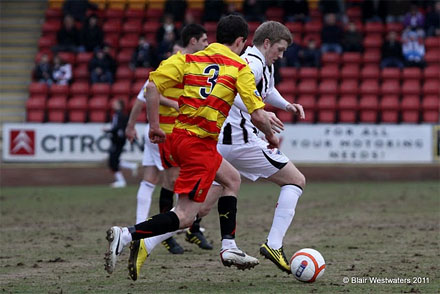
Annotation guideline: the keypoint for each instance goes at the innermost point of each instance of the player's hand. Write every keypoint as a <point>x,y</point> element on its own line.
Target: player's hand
<point>276,124</point>
<point>273,140</point>
<point>156,135</point>
<point>297,109</point>
<point>130,133</point>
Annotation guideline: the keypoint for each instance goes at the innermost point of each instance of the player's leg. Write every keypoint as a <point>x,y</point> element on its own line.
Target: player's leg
<point>230,254</point>
<point>146,188</point>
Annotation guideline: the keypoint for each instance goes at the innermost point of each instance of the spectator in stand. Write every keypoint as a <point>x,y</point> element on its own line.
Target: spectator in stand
<point>373,11</point>
<point>100,68</point>
<point>331,35</point>
<point>176,8</point>
<point>414,18</point>
<point>92,35</point>
<point>214,10</point>
<point>109,56</point>
<point>168,25</point>
<point>67,36</point>
<point>78,9</point>
<point>310,56</point>
<point>296,10</point>
<point>352,40</point>
<point>253,10</point>
<point>336,7</point>
<point>393,12</point>
<point>43,70</point>
<point>413,50</point>
<point>141,55</point>
<point>392,52</point>
<point>62,71</point>
<point>165,48</point>
<point>432,22</point>
<point>291,56</point>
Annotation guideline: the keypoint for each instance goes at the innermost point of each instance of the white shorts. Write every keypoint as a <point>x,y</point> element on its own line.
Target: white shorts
<point>254,160</point>
<point>151,152</point>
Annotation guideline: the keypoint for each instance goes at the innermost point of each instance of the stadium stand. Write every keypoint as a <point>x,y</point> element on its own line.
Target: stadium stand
<point>347,88</point>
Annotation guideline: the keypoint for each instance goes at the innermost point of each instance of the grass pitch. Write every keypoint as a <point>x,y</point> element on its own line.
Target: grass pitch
<point>53,241</point>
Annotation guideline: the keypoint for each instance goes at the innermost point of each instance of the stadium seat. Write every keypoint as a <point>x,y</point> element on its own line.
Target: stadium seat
<point>327,109</point>
<point>142,118</point>
<point>394,27</point>
<point>368,106</point>
<point>411,87</point>
<point>370,72</point>
<point>35,108</point>
<point>128,42</point>
<point>369,87</point>
<point>53,14</point>
<point>59,90</point>
<point>431,109</point>
<point>315,37</point>
<point>390,87</point>
<point>296,28</point>
<point>285,116</point>
<point>153,14</point>
<point>328,87</point>
<point>56,109</point>
<point>38,89</point>
<point>101,89</point>
<point>432,56</point>
<point>286,87</point>
<point>112,39</point>
<point>77,109</point>
<point>132,26</point>
<point>114,14</point>
<point>390,73</point>
<point>351,58</point>
<point>330,58</point>
<point>121,88</point>
<point>431,87</point>
<point>349,87</point>
<point>136,87</point>
<point>98,109</point>
<point>410,107</point>
<point>51,27</point>
<point>275,13</point>
<point>308,73</point>
<point>124,56</point>
<point>84,57</point>
<point>309,104</point>
<point>372,42</point>
<point>371,57</point>
<point>309,87</point>
<point>134,14</point>
<point>46,42</point>
<point>347,108</point>
<point>142,73</point>
<point>81,73</point>
<point>124,73</point>
<point>431,72</point>
<point>313,27</point>
<point>432,43</point>
<point>350,71</point>
<point>389,106</point>
<point>113,25</point>
<point>79,88</point>
<point>289,73</point>
<point>354,12</point>
<point>374,28</point>
<point>411,73</point>
<point>329,72</point>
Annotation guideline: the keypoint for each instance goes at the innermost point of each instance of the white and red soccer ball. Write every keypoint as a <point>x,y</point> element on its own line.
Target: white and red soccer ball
<point>307,265</point>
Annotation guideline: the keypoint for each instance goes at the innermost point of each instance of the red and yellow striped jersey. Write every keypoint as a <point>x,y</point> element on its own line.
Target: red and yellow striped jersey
<point>211,79</point>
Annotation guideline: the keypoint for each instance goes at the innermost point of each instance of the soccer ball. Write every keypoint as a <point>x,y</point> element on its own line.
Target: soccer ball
<point>307,265</point>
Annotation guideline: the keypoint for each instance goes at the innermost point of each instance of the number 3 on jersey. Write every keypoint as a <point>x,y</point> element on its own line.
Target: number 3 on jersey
<point>211,70</point>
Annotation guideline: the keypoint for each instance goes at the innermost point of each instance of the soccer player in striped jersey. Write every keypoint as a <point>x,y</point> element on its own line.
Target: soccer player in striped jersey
<point>240,144</point>
<point>211,78</point>
<point>194,39</point>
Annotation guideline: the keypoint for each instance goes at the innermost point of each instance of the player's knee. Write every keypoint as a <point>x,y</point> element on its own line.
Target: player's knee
<point>301,180</point>
<point>204,211</point>
<point>234,181</point>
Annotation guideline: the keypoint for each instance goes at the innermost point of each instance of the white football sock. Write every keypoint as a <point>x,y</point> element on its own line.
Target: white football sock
<point>127,164</point>
<point>283,216</point>
<point>229,244</point>
<point>119,177</point>
<point>152,242</point>
<point>125,237</point>
<point>144,196</point>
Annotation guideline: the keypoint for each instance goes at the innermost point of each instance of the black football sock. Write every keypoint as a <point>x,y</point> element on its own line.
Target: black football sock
<point>227,211</point>
<point>165,200</point>
<point>156,225</point>
<point>196,225</point>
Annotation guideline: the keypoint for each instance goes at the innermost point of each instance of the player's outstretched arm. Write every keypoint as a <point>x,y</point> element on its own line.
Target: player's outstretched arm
<point>169,102</point>
<point>296,109</point>
<point>261,120</point>
<point>152,95</point>
<point>130,131</point>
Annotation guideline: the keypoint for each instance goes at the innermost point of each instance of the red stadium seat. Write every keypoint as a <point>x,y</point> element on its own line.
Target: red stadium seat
<point>132,26</point>
<point>79,88</point>
<point>394,27</point>
<point>53,14</point>
<point>350,71</point>
<point>286,88</point>
<point>329,72</point>
<point>374,28</point>
<point>98,109</point>
<point>150,27</point>
<point>59,90</point>
<point>114,14</point>
<point>84,57</point>
<point>313,27</point>
<point>308,73</point>
<point>433,56</point>
<point>56,109</point>
<point>121,88</point>
<point>112,26</point>
<point>35,108</point>
<point>136,88</point>
<point>327,109</point>
<point>351,58</point>
<point>46,42</point>
<point>369,87</point>
<point>431,109</point>
<point>142,118</point>
<point>389,106</point>
<point>431,87</point>
<point>347,109</point>
<point>390,74</point>
<point>349,87</point>
<point>330,58</point>
<point>77,109</point>
<point>371,57</point>
<point>308,87</point>
<point>289,73</point>
<point>51,27</point>
<point>253,25</point>
<point>124,56</point>
<point>368,106</point>
<point>142,73</point>
<point>309,104</point>
<point>431,72</point>
<point>101,89</point>
<point>132,14</point>
<point>372,42</point>
<point>296,28</point>
<point>370,72</point>
<point>81,73</point>
<point>40,89</point>
<point>411,87</point>
<point>328,87</point>
<point>390,87</point>
<point>432,43</point>
<point>128,42</point>
<point>68,57</point>
<point>275,13</point>
<point>354,12</point>
<point>153,14</point>
<point>410,107</point>
<point>411,73</point>
<point>285,116</point>
<point>308,37</point>
<point>124,73</point>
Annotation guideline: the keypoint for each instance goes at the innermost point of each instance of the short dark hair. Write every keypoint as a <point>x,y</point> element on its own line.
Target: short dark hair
<point>272,30</point>
<point>230,28</point>
<point>191,31</point>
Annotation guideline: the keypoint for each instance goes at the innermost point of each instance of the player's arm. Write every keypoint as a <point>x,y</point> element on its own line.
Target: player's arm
<point>130,131</point>
<point>169,102</point>
<point>156,135</point>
